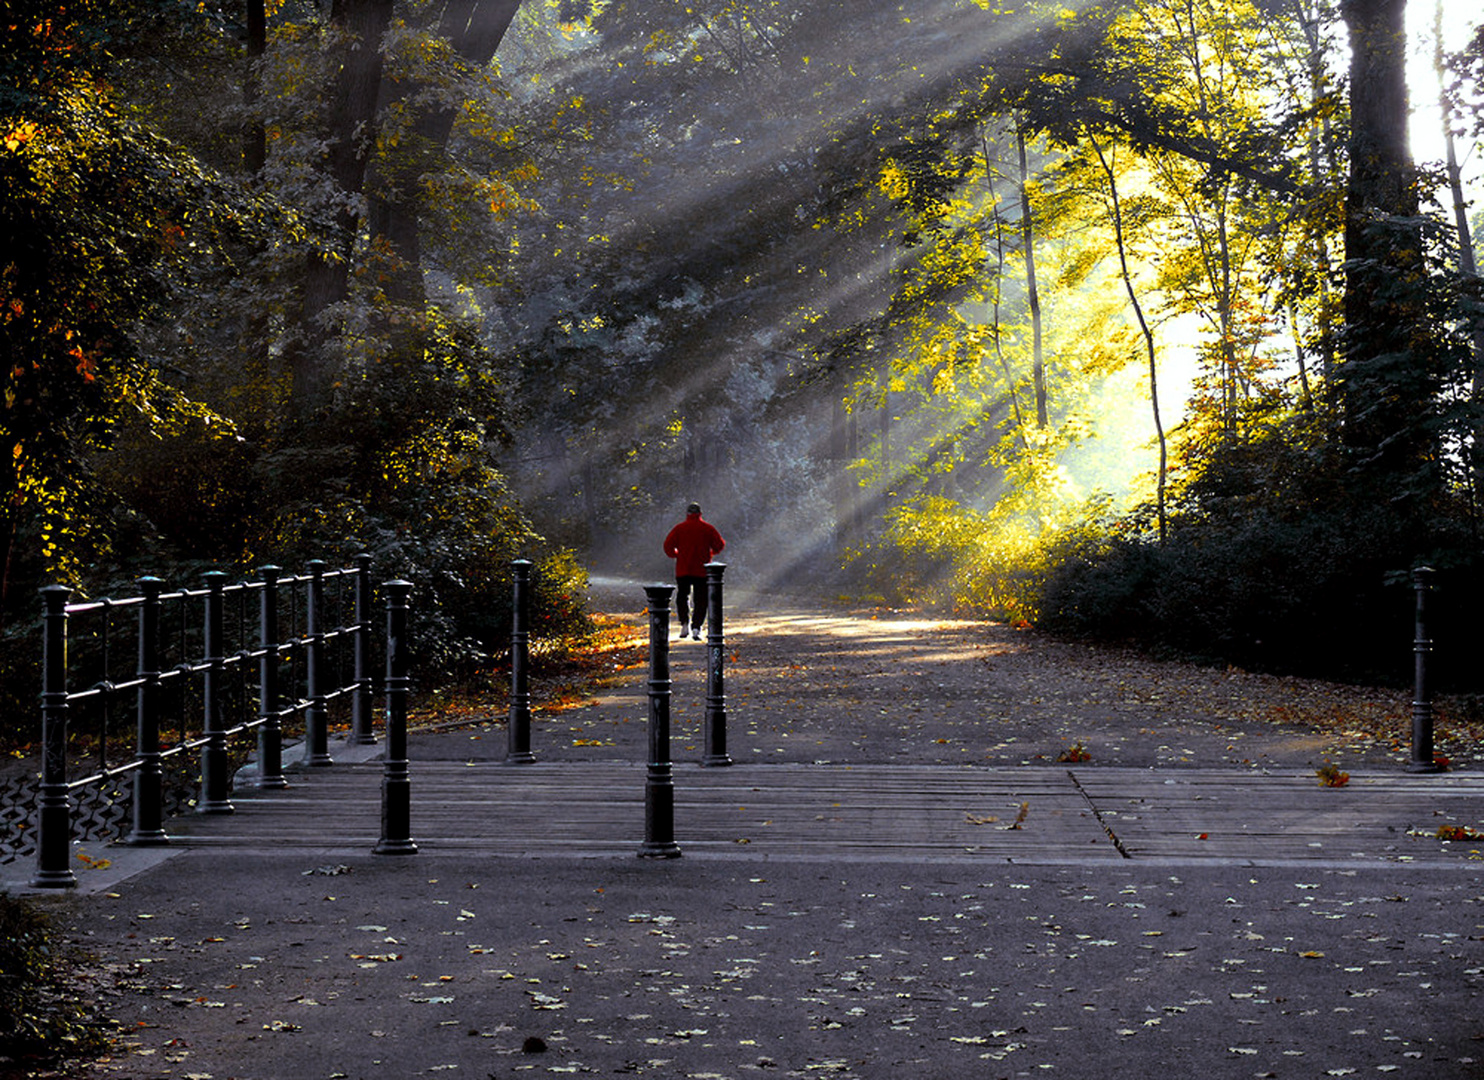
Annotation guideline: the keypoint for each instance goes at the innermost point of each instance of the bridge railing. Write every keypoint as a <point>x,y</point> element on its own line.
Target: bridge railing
<point>197,670</point>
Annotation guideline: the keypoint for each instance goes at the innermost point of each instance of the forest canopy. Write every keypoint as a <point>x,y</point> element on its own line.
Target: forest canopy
<point>1135,320</point>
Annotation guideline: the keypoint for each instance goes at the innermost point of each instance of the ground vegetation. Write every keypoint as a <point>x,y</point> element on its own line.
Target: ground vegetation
<point>47,1014</point>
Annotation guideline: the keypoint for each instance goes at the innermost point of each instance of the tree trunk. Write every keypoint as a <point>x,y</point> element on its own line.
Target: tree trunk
<point>1306,401</point>
<point>888,467</point>
<point>998,278</point>
<point>254,342</point>
<point>1467,265</point>
<point>1133,298</point>
<point>254,135</point>
<point>1230,375</point>
<point>844,491</point>
<point>1033,295</point>
<point>359,26</point>
<point>1323,165</point>
<point>1385,382</point>
<point>475,29</point>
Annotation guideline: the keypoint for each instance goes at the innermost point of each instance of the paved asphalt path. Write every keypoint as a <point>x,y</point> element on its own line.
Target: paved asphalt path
<point>259,960</point>
<point>336,964</point>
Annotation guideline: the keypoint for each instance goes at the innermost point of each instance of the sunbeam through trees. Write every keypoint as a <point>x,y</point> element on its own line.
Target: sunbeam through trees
<point>1133,320</point>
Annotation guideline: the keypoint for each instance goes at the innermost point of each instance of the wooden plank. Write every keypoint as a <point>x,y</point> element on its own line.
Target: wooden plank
<point>1376,817</point>
<point>919,812</point>
<point>772,809</point>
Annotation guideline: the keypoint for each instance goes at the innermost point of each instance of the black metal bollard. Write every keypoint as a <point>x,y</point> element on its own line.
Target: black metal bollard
<point>360,702</point>
<point>519,725</point>
<point>149,828</point>
<point>316,713</point>
<point>1422,750</point>
<point>659,783</point>
<point>270,731</point>
<point>396,784</point>
<point>215,781</point>
<point>716,698</point>
<point>53,807</point>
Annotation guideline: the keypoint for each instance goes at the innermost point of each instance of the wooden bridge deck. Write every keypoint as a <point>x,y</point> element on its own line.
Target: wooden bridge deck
<point>913,813</point>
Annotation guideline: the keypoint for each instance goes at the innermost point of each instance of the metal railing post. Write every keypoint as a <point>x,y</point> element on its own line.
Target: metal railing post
<point>1423,759</point>
<point>148,778</point>
<point>659,782</point>
<point>215,781</point>
<point>396,784</point>
<point>716,697</point>
<point>270,731</point>
<point>53,807</point>
<point>316,715</point>
<point>360,703</point>
<point>518,751</point>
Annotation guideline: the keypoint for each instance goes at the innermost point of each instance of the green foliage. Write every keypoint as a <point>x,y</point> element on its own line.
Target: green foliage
<point>107,227</point>
<point>558,610</point>
<point>1299,499</point>
<point>42,1021</point>
<point>1276,558</point>
<point>148,311</point>
<point>404,470</point>
<point>467,323</point>
<point>807,227</point>
<point>1275,595</point>
<point>945,555</point>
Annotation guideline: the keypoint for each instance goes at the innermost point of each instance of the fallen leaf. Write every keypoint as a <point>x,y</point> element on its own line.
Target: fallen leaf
<point>1458,832</point>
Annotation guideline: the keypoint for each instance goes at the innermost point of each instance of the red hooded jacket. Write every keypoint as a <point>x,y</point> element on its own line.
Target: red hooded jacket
<point>692,544</point>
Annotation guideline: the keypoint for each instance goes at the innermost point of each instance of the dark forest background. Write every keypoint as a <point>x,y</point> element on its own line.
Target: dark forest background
<point>1135,321</point>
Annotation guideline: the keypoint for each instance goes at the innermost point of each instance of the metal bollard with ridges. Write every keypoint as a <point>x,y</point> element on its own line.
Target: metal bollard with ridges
<point>53,806</point>
<point>659,782</point>
<point>149,830</point>
<point>396,783</point>
<point>215,766</point>
<point>316,714</point>
<point>361,733</point>
<point>1423,759</point>
<point>716,698</point>
<point>270,731</point>
<point>518,736</point>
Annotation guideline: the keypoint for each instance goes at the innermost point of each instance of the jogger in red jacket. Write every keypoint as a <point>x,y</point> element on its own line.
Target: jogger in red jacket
<point>692,544</point>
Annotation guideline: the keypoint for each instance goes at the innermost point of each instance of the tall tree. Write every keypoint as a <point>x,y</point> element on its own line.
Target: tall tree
<point>1120,238</point>
<point>1312,289</point>
<point>254,134</point>
<point>107,227</point>
<point>458,45</point>
<point>1033,292</point>
<point>1388,385</point>
<point>1467,265</point>
<point>354,38</point>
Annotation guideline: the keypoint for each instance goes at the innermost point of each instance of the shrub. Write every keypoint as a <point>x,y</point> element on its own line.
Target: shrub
<point>41,1019</point>
<point>1314,594</point>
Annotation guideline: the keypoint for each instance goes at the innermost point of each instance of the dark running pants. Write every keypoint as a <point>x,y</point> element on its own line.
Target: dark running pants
<point>684,587</point>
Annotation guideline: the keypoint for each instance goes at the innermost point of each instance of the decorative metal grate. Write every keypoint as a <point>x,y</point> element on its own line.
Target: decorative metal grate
<point>101,812</point>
